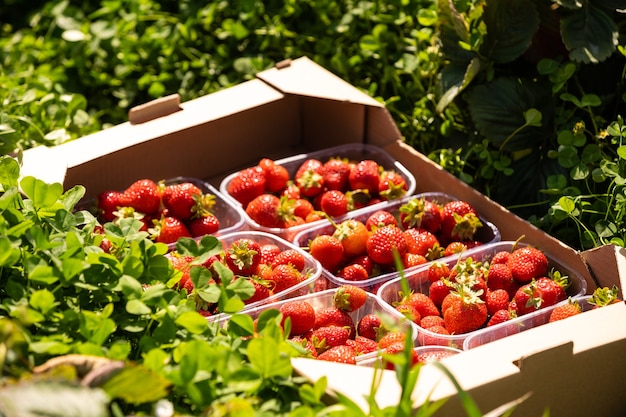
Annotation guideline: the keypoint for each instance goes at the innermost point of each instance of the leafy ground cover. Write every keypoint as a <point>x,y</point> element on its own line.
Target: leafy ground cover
<point>534,122</point>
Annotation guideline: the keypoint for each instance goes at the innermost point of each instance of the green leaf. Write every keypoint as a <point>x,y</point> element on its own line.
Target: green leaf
<point>511,25</point>
<point>241,325</point>
<point>9,255</point>
<point>621,152</point>
<point>264,355</point>
<point>192,321</point>
<point>9,172</point>
<point>471,71</point>
<point>138,308</point>
<point>589,34</point>
<point>43,274</point>
<point>500,109</point>
<point>42,300</point>
<point>41,194</point>
<point>137,385</point>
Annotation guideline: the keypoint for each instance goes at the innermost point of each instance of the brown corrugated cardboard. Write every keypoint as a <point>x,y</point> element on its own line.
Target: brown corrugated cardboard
<point>299,106</point>
<point>571,368</point>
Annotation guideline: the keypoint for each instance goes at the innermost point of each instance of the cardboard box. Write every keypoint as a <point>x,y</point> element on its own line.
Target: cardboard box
<point>297,107</point>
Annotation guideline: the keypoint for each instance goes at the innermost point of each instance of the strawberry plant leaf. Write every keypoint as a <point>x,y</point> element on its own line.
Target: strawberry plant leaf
<point>192,321</point>
<point>511,25</point>
<point>43,300</point>
<point>136,385</point>
<point>9,173</point>
<point>137,308</point>
<point>241,325</point>
<point>41,195</point>
<point>589,34</point>
<point>265,357</point>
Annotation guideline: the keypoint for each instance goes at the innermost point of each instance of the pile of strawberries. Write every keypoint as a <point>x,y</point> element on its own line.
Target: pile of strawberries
<point>168,211</point>
<point>419,232</point>
<point>472,295</point>
<point>270,268</point>
<point>318,189</point>
<point>333,334</point>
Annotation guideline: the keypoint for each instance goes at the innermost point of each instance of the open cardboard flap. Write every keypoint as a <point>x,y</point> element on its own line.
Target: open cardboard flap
<point>571,368</point>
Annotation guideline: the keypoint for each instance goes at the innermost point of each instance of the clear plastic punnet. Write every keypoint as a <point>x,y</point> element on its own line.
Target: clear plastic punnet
<point>488,233</point>
<point>392,318</point>
<point>353,152</point>
<point>229,215</point>
<point>520,324</point>
<point>417,280</point>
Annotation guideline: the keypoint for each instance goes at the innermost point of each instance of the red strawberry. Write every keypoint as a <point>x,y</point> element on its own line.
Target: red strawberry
<point>205,225</point>
<point>501,257</point>
<point>328,250</point>
<point>142,195</point>
<point>270,211</point>
<point>247,184</point>
<point>538,294</point>
<point>439,290</point>
<point>108,203</point>
<point>501,316</point>
<point>499,276</point>
<point>563,311</point>
<point>309,178</point>
<point>497,300</point>
<point>341,354</point>
<point>326,337</point>
<point>262,290</point>
<point>420,213</point>
<point>332,316</point>
<point>269,251</point>
<point>291,191</point>
<point>353,235</point>
<point>422,303</point>
<point>276,176</point>
<point>430,321</point>
<point>438,270</point>
<point>370,326</point>
<point>349,298</point>
<point>302,208</point>
<point>390,338</point>
<point>336,172</point>
<point>302,316</point>
<point>435,335</point>
<point>391,185</point>
<point>380,218</point>
<point>362,345</point>
<point>552,289</point>
<point>353,272</point>
<point>169,230</point>
<point>398,348</point>
<point>365,175</point>
<point>243,256</point>
<point>410,260</point>
<point>527,263</point>
<point>383,242</point>
<point>467,313</point>
<point>334,203</point>
<point>459,221</point>
<point>454,248</point>
<point>180,263</point>
<point>290,257</point>
<point>423,243</point>
<point>284,277</point>
<point>181,200</point>
<point>410,312</point>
